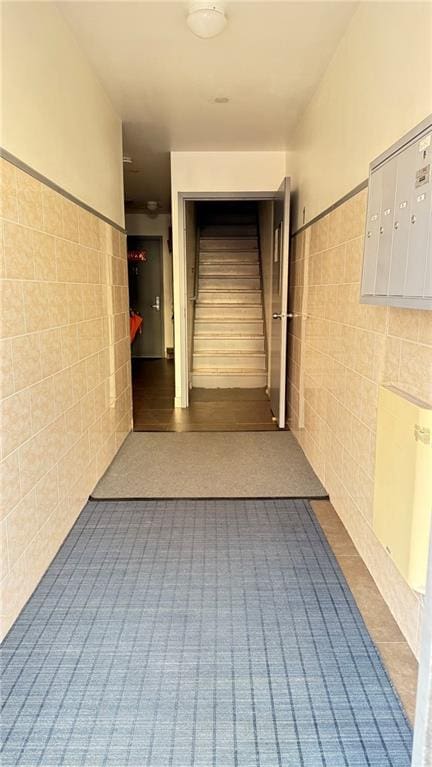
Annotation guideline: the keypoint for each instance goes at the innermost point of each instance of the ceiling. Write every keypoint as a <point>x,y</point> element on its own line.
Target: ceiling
<point>162,80</point>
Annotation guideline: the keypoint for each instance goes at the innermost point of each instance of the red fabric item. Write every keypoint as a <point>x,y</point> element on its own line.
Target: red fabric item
<point>135,324</point>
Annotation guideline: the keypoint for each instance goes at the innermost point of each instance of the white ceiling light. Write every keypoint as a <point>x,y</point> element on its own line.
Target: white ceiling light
<point>206,19</point>
<point>152,206</point>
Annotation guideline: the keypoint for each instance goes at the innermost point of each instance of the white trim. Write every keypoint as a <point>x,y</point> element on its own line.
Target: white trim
<point>181,364</point>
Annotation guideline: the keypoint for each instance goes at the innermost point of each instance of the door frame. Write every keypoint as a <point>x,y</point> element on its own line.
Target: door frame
<point>284,243</point>
<point>159,238</point>
<point>181,357</point>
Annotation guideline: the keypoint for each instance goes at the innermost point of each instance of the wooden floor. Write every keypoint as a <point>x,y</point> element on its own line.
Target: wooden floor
<point>209,410</point>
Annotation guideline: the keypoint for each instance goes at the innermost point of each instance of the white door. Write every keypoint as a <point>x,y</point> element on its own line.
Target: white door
<point>279,308</point>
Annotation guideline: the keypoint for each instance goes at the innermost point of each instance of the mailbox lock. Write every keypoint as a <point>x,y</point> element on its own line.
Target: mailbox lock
<point>369,234</point>
<point>396,224</point>
<point>381,230</point>
<point>413,218</point>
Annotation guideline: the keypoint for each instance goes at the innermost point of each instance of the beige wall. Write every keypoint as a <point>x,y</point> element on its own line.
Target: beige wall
<point>226,171</point>
<point>56,117</point>
<point>265,222</point>
<point>340,351</point>
<point>158,226</point>
<point>376,88</point>
<point>65,374</point>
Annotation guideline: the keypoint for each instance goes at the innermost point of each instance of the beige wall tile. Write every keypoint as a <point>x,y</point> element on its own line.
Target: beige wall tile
<point>52,212</point>
<point>70,220</point>
<point>36,297</point>
<point>57,303</point>
<point>50,351</point>
<point>10,485</point>
<point>15,420</point>
<point>7,384</point>
<point>89,231</point>
<point>12,303</point>
<point>4,555</point>
<point>353,260</point>
<point>425,327</point>
<point>44,257</point>
<point>26,360</point>
<point>29,195</point>
<point>404,323</point>
<point>18,252</point>
<point>65,375</point>
<point>349,349</point>
<point>22,524</point>
<point>415,371</point>
<point>8,191</point>
<point>62,390</point>
<point>42,410</point>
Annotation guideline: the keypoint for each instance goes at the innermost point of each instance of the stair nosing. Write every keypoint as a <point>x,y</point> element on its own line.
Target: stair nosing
<point>229,371</point>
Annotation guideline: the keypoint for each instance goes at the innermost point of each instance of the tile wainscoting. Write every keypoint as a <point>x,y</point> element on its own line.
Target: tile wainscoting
<point>340,351</point>
<point>65,371</point>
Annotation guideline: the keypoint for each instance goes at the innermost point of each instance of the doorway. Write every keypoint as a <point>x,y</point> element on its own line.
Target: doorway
<point>203,270</point>
<point>145,273</point>
<point>226,321</point>
<point>152,371</point>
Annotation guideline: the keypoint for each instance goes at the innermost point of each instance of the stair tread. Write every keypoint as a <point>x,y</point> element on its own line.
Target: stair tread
<point>229,371</point>
<point>223,304</point>
<point>229,353</point>
<point>232,336</point>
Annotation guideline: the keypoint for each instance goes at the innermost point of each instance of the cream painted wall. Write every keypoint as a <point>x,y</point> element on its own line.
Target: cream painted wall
<point>376,88</point>
<point>226,171</point>
<point>56,117</point>
<point>150,226</point>
<point>200,172</point>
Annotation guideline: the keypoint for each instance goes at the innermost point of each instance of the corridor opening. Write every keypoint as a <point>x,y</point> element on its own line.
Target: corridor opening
<point>230,295</point>
<point>233,275</point>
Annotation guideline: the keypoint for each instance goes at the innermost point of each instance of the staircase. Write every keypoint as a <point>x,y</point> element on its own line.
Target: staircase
<point>228,343</point>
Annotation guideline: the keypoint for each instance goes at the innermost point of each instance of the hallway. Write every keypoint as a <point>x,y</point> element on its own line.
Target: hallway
<point>220,633</point>
<point>209,409</point>
<point>215,522</point>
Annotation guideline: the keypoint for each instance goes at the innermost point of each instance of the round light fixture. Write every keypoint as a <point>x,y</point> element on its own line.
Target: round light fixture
<point>206,19</point>
<point>152,206</point>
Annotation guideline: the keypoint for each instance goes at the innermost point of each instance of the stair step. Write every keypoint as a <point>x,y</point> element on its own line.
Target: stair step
<point>235,360</point>
<point>236,327</point>
<point>229,379</point>
<point>231,312</point>
<point>229,297</point>
<point>217,343</point>
<point>228,244</point>
<point>228,230</point>
<point>228,257</point>
<point>229,283</point>
<point>221,269</point>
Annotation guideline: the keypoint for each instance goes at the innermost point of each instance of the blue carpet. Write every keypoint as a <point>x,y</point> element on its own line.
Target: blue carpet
<point>197,633</point>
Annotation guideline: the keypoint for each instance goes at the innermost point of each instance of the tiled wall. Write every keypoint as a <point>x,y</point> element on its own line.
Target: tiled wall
<point>340,351</point>
<point>65,371</point>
